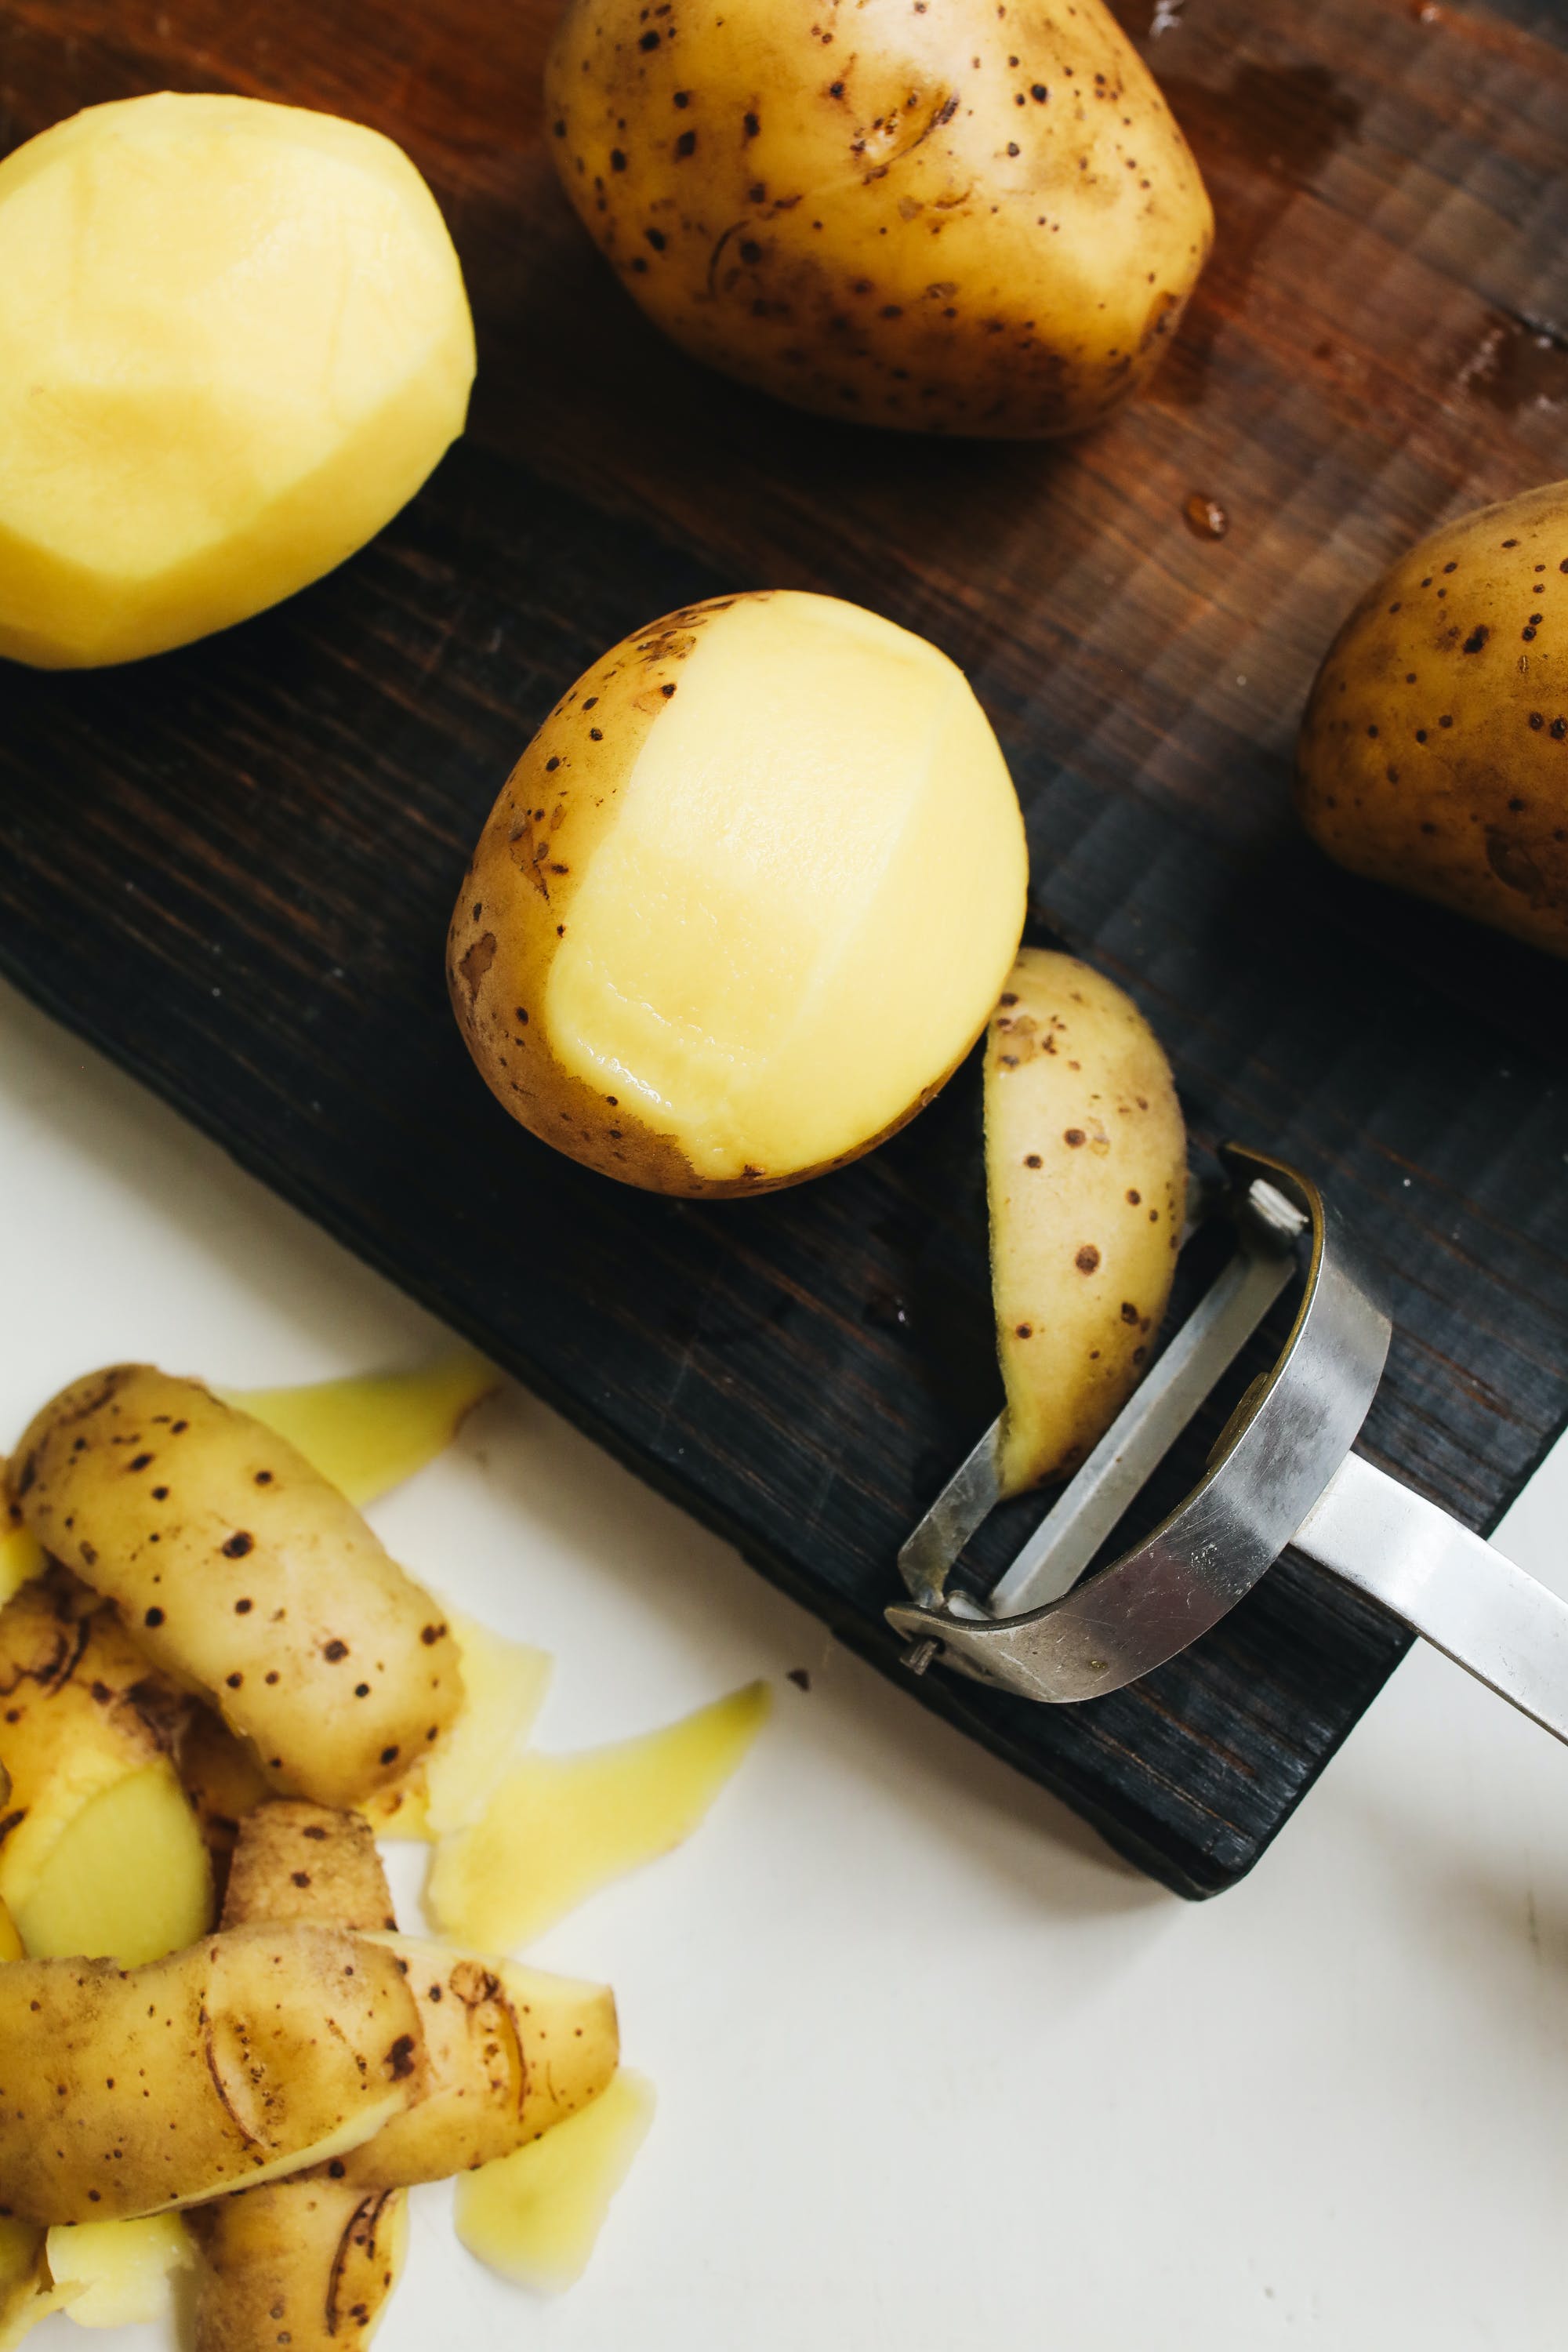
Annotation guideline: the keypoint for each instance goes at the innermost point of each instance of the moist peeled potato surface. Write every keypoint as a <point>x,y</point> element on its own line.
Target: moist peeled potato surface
<point>958,218</point>
<point>746,901</point>
<point>241,1572</point>
<point>233,342</point>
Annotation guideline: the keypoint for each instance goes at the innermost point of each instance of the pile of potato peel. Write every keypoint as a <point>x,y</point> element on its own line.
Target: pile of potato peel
<point>246,1691</point>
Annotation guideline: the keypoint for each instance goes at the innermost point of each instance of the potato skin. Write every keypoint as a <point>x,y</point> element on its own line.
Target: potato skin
<point>308,2262</point>
<point>296,1861</point>
<point>1433,751</point>
<point>243,1574</point>
<point>1085,1169</point>
<point>935,220</point>
<point>273,2045</point>
<point>314,2255</point>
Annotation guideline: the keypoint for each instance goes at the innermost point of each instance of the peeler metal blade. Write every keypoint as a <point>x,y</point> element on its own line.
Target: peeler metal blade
<point>1282,1473</point>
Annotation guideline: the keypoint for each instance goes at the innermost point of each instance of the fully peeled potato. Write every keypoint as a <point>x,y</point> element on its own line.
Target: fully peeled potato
<point>244,1575</point>
<point>233,341</point>
<point>955,218</point>
<point>745,901</point>
<point>1434,752</point>
<point>1085,1169</point>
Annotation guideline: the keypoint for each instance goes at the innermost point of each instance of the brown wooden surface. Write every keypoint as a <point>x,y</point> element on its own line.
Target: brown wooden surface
<point>232,867</point>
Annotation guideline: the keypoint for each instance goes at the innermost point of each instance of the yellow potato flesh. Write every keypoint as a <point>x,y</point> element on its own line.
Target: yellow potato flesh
<point>1086,1170</point>
<point>535,2216</point>
<point>233,341</point>
<point>127,1879</point>
<point>559,1827</point>
<point>784,884</point>
<point>119,2274</point>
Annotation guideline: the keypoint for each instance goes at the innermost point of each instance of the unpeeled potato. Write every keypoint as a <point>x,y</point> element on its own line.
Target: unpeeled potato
<point>1434,752</point>
<point>958,217</point>
<point>233,341</point>
<point>745,901</point>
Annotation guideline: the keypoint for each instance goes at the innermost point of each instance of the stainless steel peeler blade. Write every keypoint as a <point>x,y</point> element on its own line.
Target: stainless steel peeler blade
<point>1283,1473</point>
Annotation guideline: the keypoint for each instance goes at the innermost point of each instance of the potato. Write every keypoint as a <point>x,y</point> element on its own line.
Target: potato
<point>746,900</point>
<point>307,2263</point>
<point>1434,752</point>
<point>255,2053</point>
<point>1086,1170</point>
<point>959,219</point>
<point>536,2215</point>
<point>370,1432</point>
<point>10,1942</point>
<point>233,341</point>
<point>99,1851</point>
<point>558,1828</point>
<point>245,1575</point>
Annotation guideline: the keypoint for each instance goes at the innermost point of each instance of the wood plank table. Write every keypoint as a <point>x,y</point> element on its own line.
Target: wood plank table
<point>232,867</point>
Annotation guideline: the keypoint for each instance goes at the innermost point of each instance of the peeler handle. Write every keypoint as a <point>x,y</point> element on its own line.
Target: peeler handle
<point>1449,1585</point>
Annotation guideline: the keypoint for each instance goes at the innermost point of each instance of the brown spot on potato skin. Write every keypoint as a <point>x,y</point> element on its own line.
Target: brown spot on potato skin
<point>1088,1259</point>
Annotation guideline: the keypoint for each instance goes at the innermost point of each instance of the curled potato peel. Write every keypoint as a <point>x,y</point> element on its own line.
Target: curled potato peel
<point>245,1575</point>
<point>278,2048</point>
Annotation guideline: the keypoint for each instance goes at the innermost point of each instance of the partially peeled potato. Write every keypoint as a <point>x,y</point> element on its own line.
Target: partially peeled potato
<point>746,901</point>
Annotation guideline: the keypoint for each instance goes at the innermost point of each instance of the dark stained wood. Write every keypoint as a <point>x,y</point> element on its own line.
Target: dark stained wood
<point>233,868</point>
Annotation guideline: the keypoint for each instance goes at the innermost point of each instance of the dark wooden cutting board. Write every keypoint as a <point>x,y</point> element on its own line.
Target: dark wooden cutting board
<point>232,868</point>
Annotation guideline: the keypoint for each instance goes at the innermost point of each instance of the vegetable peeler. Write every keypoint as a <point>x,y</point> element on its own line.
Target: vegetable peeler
<point>1282,1473</point>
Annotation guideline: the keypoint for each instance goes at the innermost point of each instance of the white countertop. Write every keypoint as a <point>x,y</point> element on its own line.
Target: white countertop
<point>935,2071</point>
